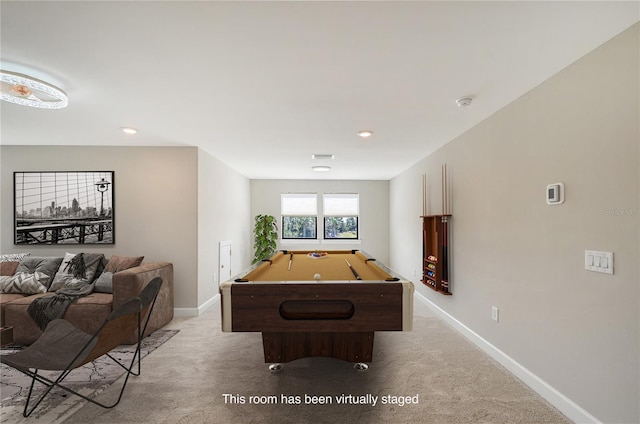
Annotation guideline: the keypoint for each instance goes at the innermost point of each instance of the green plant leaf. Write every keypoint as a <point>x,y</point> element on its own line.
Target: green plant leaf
<point>265,237</point>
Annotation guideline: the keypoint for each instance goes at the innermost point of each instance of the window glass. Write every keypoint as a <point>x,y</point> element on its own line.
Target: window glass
<point>299,215</point>
<point>299,227</point>
<point>340,215</point>
<point>340,227</point>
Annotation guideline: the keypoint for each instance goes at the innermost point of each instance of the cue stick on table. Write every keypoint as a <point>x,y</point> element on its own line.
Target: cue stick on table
<point>355,274</point>
<point>290,259</point>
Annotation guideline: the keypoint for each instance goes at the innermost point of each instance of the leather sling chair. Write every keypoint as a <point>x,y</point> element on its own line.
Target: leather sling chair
<point>62,347</point>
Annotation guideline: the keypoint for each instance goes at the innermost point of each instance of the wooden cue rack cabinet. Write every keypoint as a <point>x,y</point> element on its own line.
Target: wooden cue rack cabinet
<point>435,252</point>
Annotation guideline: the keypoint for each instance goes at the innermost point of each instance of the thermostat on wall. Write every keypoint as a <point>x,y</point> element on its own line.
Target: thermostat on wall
<point>555,193</point>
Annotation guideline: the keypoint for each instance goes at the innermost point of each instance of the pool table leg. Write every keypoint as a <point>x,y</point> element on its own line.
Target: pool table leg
<point>349,346</point>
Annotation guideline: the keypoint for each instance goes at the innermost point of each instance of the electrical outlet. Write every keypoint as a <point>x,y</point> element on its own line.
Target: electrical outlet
<point>494,313</point>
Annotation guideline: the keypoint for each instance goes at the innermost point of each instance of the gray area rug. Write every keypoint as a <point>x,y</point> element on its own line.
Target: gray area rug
<point>90,380</point>
<point>205,376</point>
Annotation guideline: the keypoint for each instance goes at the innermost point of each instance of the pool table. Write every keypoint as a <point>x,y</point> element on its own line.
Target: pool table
<point>311,303</point>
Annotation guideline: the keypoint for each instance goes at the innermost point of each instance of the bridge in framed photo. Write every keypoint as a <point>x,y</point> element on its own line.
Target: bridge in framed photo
<point>64,207</point>
<point>53,232</point>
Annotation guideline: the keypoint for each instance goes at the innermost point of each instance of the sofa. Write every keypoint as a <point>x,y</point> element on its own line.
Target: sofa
<point>24,278</point>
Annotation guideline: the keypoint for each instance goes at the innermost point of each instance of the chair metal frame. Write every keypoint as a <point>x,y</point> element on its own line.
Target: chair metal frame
<point>90,350</point>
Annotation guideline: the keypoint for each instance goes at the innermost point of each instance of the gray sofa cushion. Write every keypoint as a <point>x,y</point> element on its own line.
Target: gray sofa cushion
<point>45,265</point>
<point>104,283</point>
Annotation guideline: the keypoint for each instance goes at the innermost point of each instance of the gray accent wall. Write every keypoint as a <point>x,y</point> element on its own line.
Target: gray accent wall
<point>576,330</point>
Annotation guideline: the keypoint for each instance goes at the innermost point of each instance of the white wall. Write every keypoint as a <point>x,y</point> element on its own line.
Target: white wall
<point>373,221</point>
<point>223,215</point>
<point>155,192</point>
<point>576,330</point>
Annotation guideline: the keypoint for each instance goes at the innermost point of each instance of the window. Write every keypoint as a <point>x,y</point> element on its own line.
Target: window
<point>299,215</point>
<point>340,215</point>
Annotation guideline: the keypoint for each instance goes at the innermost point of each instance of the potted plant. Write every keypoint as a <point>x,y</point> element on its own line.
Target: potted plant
<point>266,236</point>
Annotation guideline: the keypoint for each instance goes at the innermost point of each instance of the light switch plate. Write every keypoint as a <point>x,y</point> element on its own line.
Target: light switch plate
<point>598,261</point>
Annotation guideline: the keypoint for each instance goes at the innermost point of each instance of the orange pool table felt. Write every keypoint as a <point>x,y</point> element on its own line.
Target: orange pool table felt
<point>301,266</point>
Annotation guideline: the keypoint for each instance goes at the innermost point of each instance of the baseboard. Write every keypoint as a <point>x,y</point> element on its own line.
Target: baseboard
<point>196,312</point>
<point>569,408</point>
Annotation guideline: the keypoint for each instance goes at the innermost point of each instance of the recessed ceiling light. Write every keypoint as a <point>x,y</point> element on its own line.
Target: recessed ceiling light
<point>129,130</point>
<point>28,91</point>
<point>464,101</point>
<point>316,156</point>
<point>321,168</point>
<point>365,133</point>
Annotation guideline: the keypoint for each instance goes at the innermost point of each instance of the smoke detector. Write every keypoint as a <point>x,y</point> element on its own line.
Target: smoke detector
<point>464,101</point>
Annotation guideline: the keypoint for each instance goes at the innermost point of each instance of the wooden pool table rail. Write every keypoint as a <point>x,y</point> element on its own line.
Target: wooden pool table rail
<point>376,306</point>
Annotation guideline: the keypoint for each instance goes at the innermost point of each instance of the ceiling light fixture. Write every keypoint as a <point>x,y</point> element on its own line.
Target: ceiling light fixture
<point>129,130</point>
<point>321,168</point>
<point>464,101</point>
<point>28,91</point>
<point>317,156</point>
<point>365,133</point>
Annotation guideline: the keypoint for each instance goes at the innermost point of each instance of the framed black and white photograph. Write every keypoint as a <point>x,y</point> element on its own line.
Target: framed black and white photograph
<point>64,207</point>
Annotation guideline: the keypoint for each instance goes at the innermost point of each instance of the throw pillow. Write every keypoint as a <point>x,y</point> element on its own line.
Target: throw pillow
<point>26,283</point>
<point>104,283</point>
<point>46,265</point>
<point>120,263</point>
<point>103,264</point>
<point>8,268</point>
<point>13,257</point>
<point>76,268</point>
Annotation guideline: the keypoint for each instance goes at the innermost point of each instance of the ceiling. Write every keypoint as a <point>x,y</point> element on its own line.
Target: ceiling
<point>264,85</point>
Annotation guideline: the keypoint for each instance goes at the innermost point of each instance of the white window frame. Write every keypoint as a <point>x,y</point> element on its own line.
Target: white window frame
<point>320,219</point>
<point>332,206</point>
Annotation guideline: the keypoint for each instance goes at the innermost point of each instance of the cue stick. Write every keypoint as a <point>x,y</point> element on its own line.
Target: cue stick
<point>443,188</point>
<point>423,190</point>
<point>446,191</point>
<point>290,259</point>
<point>426,195</point>
<point>355,274</point>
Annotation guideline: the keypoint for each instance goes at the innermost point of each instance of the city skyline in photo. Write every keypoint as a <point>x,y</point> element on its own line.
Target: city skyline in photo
<point>49,195</point>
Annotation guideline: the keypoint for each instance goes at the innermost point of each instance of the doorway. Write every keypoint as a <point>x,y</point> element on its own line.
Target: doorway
<point>224,271</point>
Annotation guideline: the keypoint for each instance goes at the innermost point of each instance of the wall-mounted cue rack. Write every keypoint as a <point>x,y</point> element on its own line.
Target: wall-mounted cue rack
<point>435,252</point>
<point>435,240</point>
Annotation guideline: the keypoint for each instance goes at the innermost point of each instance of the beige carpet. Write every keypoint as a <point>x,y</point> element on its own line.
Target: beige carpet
<point>186,379</point>
<point>89,379</point>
